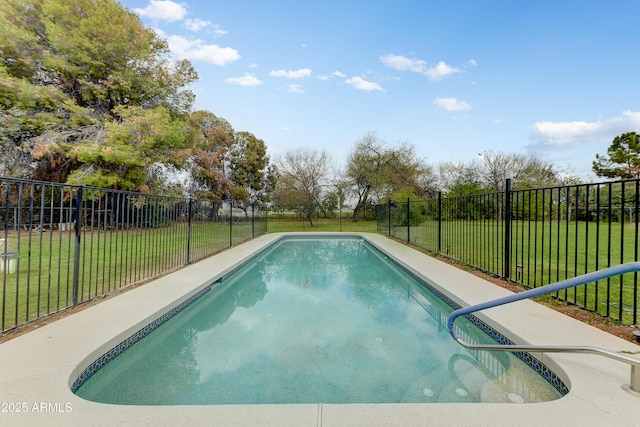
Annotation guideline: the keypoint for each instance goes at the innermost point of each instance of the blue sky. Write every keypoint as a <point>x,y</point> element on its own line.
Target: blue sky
<point>453,78</point>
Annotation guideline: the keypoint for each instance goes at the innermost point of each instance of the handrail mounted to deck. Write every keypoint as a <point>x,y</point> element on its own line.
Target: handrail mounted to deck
<point>633,387</point>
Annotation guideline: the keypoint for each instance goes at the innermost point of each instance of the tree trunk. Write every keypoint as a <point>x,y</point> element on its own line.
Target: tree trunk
<point>362,200</point>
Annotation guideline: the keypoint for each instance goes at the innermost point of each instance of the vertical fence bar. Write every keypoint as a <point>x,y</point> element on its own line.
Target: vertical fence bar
<point>597,248</point>
<point>408,220</point>
<point>189,215</point>
<point>389,217</point>
<point>609,226</point>
<point>622,225</point>
<point>507,231</point>
<point>439,223</point>
<point>230,223</point>
<point>636,211</point>
<point>587,204</point>
<point>4,251</point>
<point>76,253</point>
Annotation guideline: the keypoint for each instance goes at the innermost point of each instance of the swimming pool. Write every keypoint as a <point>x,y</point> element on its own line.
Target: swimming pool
<point>324,319</point>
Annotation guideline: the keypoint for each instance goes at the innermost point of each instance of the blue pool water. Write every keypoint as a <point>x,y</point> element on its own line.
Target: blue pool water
<point>310,320</point>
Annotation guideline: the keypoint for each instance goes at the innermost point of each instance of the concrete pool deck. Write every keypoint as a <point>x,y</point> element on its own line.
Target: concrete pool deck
<point>38,368</point>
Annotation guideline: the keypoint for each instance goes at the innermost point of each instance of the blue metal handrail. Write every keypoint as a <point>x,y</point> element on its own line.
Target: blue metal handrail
<point>605,273</point>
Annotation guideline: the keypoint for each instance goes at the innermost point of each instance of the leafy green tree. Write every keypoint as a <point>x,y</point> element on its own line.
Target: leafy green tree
<point>66,76</point>
<point>622,159</point>
<point>125,153</point>
<point>375,170</point>
<point>250,173</point>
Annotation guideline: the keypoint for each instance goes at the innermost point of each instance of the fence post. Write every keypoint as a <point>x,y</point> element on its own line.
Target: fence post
<point>408,220</point>
<point>230,222</point>
<point>389,215</point>
<point>506,267</point>
<point>76,254</point>
<point>189,210</point>
<point>439,222</point>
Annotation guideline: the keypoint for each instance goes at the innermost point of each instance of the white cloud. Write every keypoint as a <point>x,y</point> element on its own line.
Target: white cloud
<point>403,63</point>
<point>440,71</point>
<point>334,74</point>
<point>246,80</point>
<point>362,84</point>
<point>165,10</point>
<point>199,50</point>
<point>292,74</point>
<point>196,24</point>
<point>564,135</point>
<point>472,62</point>
<point>217,31</point>
<point>295,89</point>
<point>451,104</point>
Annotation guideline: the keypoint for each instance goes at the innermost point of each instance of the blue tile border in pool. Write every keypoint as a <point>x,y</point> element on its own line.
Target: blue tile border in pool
<point>99,363</point>
<point>531,361</point>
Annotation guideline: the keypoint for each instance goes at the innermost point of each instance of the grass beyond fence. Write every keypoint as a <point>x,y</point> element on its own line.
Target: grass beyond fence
<point>275,225</point>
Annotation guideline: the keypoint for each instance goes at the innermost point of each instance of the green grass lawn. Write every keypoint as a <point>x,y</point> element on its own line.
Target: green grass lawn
<point>107,260</point>
<point>275,225</point>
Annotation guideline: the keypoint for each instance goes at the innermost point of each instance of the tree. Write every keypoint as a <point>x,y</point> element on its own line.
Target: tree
<point>303,179</point>
<point>375,170</point>
<point>210,139</point>
<point>622,159</point>
<point>251,176</point>
<point>126,153</point>
<point>65,78</point>
<point>525,171</point>
<point>460,179</point>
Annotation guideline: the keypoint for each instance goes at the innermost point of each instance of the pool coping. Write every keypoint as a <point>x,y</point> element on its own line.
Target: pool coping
<point>37,369</point>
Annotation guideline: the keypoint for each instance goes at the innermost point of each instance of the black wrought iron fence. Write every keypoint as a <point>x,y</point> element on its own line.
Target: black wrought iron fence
<point>61,245</point>
<point>535,237</point>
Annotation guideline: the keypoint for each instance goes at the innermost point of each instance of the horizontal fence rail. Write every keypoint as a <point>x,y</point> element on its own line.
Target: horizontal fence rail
<point>535,237</point>
<point>62,245</point>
